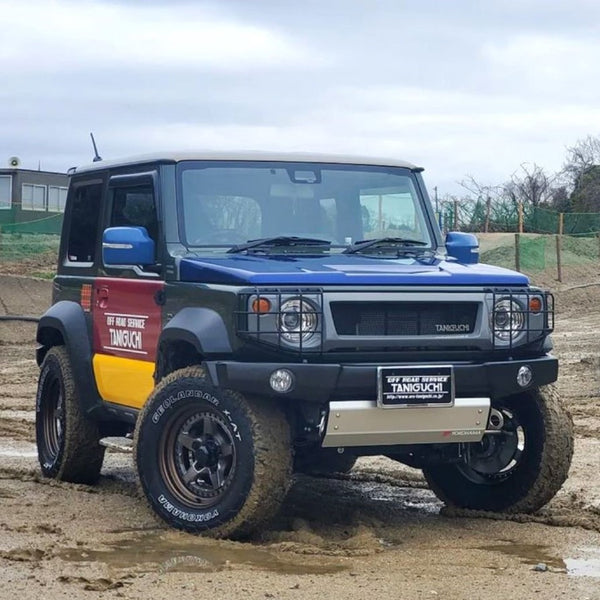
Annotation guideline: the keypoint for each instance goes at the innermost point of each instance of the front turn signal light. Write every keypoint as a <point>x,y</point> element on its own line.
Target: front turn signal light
<point>261,305</point>
<point>535,304</point>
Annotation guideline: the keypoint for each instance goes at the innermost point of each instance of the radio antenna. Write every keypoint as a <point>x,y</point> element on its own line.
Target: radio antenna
<point>97,157</point>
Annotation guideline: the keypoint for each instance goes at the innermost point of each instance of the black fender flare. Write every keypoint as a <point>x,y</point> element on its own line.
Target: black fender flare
<point>203,328</point>
<point>65,323</point>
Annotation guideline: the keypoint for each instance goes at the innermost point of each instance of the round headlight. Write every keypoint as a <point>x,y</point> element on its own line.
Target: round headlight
<point>297,320</point>
<point>508,319</point>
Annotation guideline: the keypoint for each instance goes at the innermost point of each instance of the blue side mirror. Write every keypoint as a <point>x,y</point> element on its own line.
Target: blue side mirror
<point>122,246</point>
<point>464,247</point>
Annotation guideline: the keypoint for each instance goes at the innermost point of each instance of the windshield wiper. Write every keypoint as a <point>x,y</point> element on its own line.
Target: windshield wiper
<point>279,241</point>
<point>389,242</point>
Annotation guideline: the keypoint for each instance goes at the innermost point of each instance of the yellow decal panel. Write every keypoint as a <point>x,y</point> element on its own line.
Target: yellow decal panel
<point>124,381</point>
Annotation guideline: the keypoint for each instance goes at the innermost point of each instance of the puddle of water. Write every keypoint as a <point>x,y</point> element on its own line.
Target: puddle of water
<point>166,552</point>
<point>579,567</point>
<point>400,497</point>
<point>529,554</point>
<point>585,567</point>
<point>532,554</point>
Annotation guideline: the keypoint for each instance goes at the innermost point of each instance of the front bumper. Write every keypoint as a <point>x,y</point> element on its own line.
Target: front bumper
<point>339,382</point>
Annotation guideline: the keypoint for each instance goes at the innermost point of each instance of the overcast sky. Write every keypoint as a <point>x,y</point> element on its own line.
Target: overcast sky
<point>460,87</point>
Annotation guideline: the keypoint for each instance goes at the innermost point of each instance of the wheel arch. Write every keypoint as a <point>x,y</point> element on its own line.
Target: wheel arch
<point>190,337</point>
<point>64,324</point>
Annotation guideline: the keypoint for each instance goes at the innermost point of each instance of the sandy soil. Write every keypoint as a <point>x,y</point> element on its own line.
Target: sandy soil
<point>378,532</point>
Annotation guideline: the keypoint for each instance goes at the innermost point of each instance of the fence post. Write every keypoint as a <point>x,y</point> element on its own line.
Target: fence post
<point>518,251</point>
<point>520,217</point>
<point>488,208</point>
<point>561,228</point>
<point>559,257</point>
<point>598,235</point>
<point>455,214</point>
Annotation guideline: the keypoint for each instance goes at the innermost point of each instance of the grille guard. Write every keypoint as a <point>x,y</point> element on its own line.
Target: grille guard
<point>536,323</point>
<point>262,328</point>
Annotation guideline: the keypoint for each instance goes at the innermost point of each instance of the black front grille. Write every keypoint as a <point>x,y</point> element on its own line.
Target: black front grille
<point>404,318</point>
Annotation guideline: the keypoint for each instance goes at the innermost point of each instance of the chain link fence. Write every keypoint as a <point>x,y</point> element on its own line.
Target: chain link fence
<point>531,239</point>
<point>562,258</point>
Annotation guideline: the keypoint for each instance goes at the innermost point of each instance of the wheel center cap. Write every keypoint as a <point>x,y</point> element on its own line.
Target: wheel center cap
<point>206,453</point>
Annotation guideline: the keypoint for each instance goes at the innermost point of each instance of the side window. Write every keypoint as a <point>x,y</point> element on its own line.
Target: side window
<point>134,206</point>
<point>83,228</point>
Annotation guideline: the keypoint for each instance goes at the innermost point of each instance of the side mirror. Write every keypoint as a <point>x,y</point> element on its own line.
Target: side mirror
<point>124,246</point>
<point>464,247</point>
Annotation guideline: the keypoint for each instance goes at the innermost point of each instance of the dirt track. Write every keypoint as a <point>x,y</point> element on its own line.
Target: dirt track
<point>377,533</point>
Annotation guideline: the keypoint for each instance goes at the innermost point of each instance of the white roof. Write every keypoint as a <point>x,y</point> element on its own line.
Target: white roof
<point>235,155</point>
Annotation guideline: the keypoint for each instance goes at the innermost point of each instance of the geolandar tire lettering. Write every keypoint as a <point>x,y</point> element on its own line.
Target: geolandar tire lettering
<point>210,460</point>
<point>171,400</point>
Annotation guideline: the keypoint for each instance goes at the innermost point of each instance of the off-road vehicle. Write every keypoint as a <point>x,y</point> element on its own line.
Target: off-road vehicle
<point>239,316</point>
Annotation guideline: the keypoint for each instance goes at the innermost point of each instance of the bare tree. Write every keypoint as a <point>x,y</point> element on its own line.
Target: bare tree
<point>530,186</point>
<point>485,195</point>
<point>583,170</point>
<point>581,157</point>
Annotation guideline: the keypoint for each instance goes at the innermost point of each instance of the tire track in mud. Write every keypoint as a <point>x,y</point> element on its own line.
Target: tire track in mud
<point>17,429</point>
<point>586,518</point>
<point>106,485</point>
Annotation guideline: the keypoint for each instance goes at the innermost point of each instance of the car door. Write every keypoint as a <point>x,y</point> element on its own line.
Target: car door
<point>127,301</point>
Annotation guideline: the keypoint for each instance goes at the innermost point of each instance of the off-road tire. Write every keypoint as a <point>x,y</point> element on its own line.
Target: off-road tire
<point>540,472</point>
<point>258,437</point>
<point>323,461</point>
<point>67,441</point>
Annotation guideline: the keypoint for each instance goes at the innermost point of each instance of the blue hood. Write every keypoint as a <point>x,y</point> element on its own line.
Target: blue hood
<point>339,269</point>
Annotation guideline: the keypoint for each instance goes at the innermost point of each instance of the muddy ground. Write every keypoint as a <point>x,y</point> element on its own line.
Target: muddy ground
<point>376,533</point>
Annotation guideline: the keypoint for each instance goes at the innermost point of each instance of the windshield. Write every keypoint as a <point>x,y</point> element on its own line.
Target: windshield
<point>229,203</point>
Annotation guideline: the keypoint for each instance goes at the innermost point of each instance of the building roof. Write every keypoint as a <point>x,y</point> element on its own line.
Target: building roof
<point>242,155</point>
<point>13,170</point>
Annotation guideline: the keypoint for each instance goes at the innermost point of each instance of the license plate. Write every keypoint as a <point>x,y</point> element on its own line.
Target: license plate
<point>400,387</point>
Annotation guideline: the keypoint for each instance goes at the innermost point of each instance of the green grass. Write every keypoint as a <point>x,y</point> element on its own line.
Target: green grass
<point>15,247</point>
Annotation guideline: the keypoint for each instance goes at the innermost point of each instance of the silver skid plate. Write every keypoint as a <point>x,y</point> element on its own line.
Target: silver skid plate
<point>363,423</point>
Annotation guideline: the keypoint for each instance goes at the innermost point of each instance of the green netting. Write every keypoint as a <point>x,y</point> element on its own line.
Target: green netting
<point>46,225</point>
<point>538,252</point>
<point>581,223</point>
<point>533,253</point>
<point>541,220</point>
<point>536,219</point>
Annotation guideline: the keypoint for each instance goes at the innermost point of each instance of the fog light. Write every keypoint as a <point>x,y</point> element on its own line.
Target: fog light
<point>281,380</point>
<point>524,376</point>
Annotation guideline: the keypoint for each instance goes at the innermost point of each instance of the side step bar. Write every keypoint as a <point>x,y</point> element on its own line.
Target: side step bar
<point>363,423</point>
